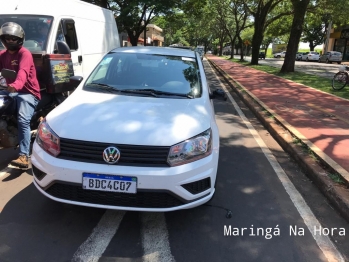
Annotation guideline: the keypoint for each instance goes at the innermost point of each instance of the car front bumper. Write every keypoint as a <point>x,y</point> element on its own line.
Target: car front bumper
<point>159,189</point>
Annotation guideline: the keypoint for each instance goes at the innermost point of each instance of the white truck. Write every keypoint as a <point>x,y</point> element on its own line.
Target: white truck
<point>279,55</point>
<point>78,35</point>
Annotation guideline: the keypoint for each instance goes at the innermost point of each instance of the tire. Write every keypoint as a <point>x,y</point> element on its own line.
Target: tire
<point>340,80</point>
<point>327,61</point>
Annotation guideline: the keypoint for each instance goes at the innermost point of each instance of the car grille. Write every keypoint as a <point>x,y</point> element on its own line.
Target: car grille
<point>130,155</point>
<point>142,199</point>
<point>198,186</point>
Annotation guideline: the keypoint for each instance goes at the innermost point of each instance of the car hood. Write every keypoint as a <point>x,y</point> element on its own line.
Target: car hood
<point>124,119</point>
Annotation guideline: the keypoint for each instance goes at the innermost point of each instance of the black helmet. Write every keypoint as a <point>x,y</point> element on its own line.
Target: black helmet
<point>11,29</point>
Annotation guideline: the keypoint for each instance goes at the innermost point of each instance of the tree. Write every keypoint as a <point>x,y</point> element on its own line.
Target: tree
<point>173,28</point>
<point>101,3</point>
<point>133,16</point>
<point>261,10</point>
<point>240,15</point>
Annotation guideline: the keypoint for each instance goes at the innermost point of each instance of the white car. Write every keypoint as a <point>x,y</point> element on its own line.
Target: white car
<point>310,56</point>
<point>279,55</point>
<point>331,56</point>
<point>138,134</point>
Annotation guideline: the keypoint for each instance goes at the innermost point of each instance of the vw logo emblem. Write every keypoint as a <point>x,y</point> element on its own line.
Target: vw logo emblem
<point>111,155</point>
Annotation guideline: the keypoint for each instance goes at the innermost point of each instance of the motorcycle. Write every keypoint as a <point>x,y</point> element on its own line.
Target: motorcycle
<point>56,78</point>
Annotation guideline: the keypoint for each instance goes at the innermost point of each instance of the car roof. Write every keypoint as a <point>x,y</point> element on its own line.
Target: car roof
<point>156,50</point>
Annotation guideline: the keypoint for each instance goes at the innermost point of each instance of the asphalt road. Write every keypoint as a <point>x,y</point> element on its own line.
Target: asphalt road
<point>277,213</point>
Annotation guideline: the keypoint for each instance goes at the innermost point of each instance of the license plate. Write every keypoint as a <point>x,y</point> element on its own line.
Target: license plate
<point>109,183</point>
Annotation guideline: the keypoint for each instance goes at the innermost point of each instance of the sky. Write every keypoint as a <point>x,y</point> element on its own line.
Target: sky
<point>306,45</point>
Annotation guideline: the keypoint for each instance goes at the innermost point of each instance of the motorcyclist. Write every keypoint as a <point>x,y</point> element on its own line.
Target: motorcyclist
<point>24,89</point>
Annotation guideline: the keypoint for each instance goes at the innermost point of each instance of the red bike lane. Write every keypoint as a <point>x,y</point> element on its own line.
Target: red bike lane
<point>321,118</point>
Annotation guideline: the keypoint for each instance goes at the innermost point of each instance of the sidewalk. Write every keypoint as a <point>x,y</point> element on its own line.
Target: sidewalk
<point>318,119</point>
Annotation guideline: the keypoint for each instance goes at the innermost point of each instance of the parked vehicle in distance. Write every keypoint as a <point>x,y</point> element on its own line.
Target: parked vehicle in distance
<point>152,142</point>
<point>299,56</point>
<point>227,50</point>
<point>279,55</point>
<point>261,55</point>
<point>310,56</point>
<point>331,56</point>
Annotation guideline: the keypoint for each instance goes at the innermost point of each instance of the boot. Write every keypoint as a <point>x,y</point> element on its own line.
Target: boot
<point>21,161</point>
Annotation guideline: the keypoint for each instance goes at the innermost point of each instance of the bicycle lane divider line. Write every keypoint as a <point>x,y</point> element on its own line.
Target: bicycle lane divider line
<point>95,245</point>
<point>155,240</point>
<point>324,242</point>
<point>333,164</point>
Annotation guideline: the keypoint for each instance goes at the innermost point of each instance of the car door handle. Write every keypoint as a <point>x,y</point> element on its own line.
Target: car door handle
<point>80,59</point>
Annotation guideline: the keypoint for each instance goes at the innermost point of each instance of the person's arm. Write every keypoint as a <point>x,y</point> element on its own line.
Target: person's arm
<point>25,60</point>
<point>1,67</point>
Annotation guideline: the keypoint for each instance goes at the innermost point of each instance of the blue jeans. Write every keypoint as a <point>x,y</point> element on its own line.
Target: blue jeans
<point>24,105</point>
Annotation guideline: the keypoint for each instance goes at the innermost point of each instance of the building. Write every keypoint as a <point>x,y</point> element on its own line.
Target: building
<point>339,41</point>
<point>153,37</point>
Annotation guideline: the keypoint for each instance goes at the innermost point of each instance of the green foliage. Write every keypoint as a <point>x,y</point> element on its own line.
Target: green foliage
<point>336,178</point>
<point>195,22</point>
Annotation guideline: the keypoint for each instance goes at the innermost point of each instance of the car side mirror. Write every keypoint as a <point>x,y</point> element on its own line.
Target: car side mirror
<point>62,48</point>
<point>219,94</point>
<point>75,81</point>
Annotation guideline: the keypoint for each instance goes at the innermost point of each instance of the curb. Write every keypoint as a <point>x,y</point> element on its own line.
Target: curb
<point>316,169</point>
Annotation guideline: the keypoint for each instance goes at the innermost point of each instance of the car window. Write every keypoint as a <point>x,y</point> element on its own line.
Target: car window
<point>124,71</point>
<point>36,29</point>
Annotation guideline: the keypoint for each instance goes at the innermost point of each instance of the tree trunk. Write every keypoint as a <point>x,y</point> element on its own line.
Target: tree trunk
<point>242,48</point>
<point>133,38</point>
<point>221,43</point>
<point>104,4</point>
<point>257,40</point>
<point>311,46</point>
<point>300,7</point>
<point>232,46</point>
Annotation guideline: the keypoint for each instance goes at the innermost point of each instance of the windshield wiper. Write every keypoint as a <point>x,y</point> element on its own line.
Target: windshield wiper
<point>155,93</point>
<point>105,87</point>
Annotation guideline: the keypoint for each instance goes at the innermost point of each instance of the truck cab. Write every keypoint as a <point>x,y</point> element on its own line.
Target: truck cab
<point>65,37</point>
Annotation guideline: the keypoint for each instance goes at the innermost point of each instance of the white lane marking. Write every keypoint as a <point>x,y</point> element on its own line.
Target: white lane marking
<point>5,171</point>
<point>324,242</point>
<point>155,241</point>
<point>92,249</point>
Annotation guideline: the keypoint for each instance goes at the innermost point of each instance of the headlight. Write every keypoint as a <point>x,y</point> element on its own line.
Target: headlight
<point>47,139</point>
<point>191,150</point>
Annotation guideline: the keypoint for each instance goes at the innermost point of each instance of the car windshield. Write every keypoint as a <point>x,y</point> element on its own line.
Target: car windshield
<point>162,74</point>
<point>36,29</point>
